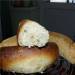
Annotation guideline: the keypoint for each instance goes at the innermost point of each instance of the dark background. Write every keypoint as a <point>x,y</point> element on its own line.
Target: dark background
<point>59,17</point>
<point>0,22</point>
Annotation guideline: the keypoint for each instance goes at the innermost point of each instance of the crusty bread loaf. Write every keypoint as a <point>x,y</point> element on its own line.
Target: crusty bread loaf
<point>31,33</point>
<point>65,44</point>
<point>28,60</point>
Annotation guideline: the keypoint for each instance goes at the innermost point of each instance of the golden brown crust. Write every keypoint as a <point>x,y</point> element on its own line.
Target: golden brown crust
<point>21,23</point>
<point>12,41</point>
<point>13,55</point>
<point>65,44</point>
<point>0,45</point>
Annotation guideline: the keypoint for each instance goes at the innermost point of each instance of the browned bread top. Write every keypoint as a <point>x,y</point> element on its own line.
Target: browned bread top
<point>28,60</point>
<point>66,45</point>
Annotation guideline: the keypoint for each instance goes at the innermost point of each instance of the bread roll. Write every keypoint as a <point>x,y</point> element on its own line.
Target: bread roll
<point>65,44</point>
<point>28,60</point>
<point>31,33</point>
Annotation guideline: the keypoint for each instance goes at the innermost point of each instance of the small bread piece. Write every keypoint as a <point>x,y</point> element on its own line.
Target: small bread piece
<point>28,60</point>
<point>31,33</point>
<point>65,44</point>
<point>12,41</point>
